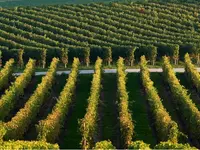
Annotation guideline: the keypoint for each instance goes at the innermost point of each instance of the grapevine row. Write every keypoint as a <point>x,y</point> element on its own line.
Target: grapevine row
<point>126,123</point>
<point>105,23</point>
<point>106,10</point>
<point>186,108</point>
<point>166,128</point>
<point>191,72</point>
<point>88,16</point>
<point>28,145</point>
<point>7,101</point>
<point>20,122</point>
<point>5,73</point>
<point>97,25</point>
<point>55,24</point>
<point>88,125</point>
<point>49,128</point>
<point>127,19</point>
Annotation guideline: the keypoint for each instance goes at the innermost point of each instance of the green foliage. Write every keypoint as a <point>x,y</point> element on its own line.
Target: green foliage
<point>7,101</point>
<point>88,125</point>
<point>195,50</point>
<point>86,53</point>
<point>64,56</point>
<point>49,128</point>
<point>104,145</point>
<point>191,72</point>
<point>114,25</point>
<point>185,106</point>
<point>130,55</point>
<point>108,55</point>
<point>2,132</point>
<point>170,145</point>
<point>0,58</point>
<point>19,145</point>
<point>6,73</point>
<point>19,124</point>
<point>126,123</point>
<point>20,58</point>
<point>43,57</point>
<point>153,52</point>
<point>175,53</point>
<point>139,145</point>
<point>166,128</point>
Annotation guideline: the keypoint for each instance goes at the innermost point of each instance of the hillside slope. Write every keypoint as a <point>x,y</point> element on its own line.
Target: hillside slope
<point>99,25</point>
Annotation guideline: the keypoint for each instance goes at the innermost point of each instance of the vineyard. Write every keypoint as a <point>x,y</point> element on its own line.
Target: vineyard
<point>134,110</point>
<point>99,27</point>
<point>119,110</point>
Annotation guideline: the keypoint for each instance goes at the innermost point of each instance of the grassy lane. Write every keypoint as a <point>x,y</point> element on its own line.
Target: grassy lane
<point>167,98</point>
<point>70,137</point>
<point>109,113</point>
<point>22,99</point>
<point>138,108</point>
<point>46,108</point>
<point>192,90</point>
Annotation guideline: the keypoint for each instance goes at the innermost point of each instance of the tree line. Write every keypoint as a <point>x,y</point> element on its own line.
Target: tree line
<point>109,55</point>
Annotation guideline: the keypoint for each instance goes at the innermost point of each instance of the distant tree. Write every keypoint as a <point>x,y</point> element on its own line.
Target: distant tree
<point>20,58</point>
<point>43,57</point>
<point>130,55</point>
<point>153,54</point>
<point>175,53</point>
<point>196,53</point>
<point>108,55</point>
<point>64,56</point>
<point>86,53</point>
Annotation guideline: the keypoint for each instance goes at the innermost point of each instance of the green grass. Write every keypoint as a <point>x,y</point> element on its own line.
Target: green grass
<point>138,108</point>
<point>70,137</point>
<point>110,122</point>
